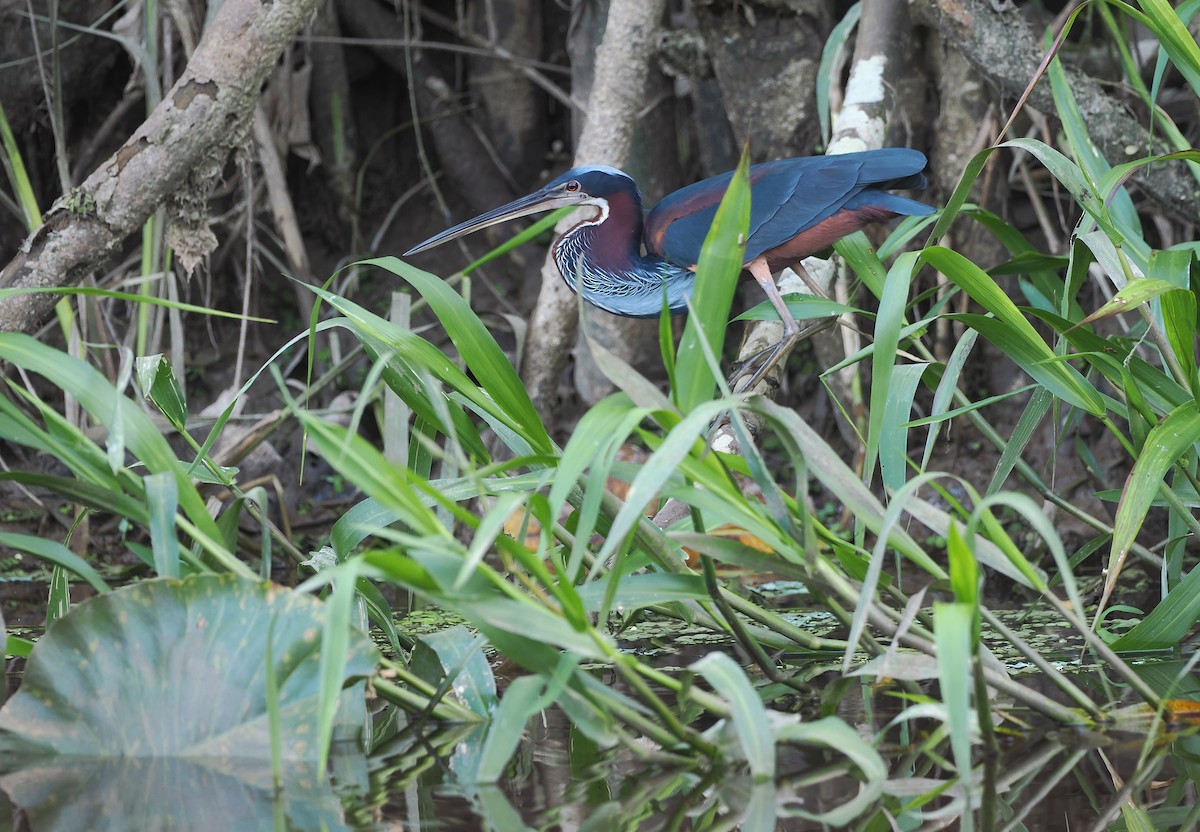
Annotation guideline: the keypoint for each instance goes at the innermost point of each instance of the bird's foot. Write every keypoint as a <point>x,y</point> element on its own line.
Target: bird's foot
<point>748,374</point>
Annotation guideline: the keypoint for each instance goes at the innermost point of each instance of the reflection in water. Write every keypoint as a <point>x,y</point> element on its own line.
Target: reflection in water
<point>419,777</point>
<point>560,779</point>
<point>66,794</point>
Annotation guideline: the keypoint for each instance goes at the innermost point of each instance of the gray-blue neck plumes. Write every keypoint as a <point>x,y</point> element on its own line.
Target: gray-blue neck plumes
<point>601,258</point>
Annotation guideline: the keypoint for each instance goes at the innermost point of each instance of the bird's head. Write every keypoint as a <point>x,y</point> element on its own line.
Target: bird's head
<point>587,185</point>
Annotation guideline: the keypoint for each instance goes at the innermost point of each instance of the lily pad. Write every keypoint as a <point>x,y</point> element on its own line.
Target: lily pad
<point>177,668</point>
<point>77,794</point>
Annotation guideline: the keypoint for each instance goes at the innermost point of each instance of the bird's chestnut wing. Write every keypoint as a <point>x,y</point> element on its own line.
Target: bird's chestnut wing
<point>786,197</point>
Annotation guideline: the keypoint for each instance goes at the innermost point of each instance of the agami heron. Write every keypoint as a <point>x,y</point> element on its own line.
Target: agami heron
<point>797,207</point>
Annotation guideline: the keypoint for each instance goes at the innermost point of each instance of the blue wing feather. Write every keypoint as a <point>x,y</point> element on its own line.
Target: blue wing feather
<point>787,197</point>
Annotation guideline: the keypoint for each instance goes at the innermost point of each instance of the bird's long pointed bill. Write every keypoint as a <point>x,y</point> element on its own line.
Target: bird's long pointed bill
<point>532,204</point>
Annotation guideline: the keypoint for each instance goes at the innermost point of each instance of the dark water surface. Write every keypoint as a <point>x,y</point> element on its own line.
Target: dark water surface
<point>419,776</point>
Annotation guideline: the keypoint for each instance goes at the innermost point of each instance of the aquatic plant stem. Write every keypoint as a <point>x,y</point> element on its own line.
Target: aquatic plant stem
<point>1060,679</point>
<point>1105,652</point>
<point>743,638</point>
<point>837,584</point>
<point>1025,470</point>
<point>622,664</point>
<point>443,709</point>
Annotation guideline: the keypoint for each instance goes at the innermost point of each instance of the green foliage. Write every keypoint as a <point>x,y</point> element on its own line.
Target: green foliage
<point>168,668</point>
<point>524,541</point>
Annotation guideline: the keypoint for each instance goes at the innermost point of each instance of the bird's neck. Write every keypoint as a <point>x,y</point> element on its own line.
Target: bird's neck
<point>601,258</point>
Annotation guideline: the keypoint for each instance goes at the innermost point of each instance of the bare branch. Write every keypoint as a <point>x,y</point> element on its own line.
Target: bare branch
<point>622,67</point>
<point>181,146</point>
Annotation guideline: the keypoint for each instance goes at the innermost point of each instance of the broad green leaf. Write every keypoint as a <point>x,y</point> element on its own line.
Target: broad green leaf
<point>63,793</point>
<point>171,668</point>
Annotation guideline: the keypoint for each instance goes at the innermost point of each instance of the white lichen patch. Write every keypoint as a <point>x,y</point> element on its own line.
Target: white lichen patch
<point>866,84</point>
<point>859,124</point>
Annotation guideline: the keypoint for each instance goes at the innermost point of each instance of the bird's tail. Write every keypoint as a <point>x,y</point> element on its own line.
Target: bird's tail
<point>896,204</point>
<point>915,182</point>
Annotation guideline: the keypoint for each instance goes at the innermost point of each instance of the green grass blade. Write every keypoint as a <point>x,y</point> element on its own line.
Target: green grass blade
<point>55,553</point>
<point>157,381</point>
<point>830,54</point>
<point>1035,410</point>
<point>335,648</point>
<point>18,177</point>
<point>99,497</point>
<point>522,700</point>
<point>893,430</point>
<point>746,709</point>
<point>837,736</point>
<point>1168,623</point>
<point>145,299</point>
<point>162,498</point>
<point>952,635</point>
<point>356,459</point>
<point>1012,333</point>
<point>1176,40</point>
<point>59,601</point>
<point>478,349</point>
<point>827,466</point>
<point>1086,154</point>
<point>883,361</point>
<point>142,437</point>
<point>1179,321</point>
<point>716,279</point>
<point>1034,357</point>
<point>660,468</point>
<point>1166,443</point>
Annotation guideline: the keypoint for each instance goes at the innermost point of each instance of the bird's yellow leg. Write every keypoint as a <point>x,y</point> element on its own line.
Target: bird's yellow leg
<point>762,362</point>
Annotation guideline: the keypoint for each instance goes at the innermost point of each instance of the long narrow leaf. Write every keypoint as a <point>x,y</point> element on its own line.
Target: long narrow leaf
<point>716,278</point>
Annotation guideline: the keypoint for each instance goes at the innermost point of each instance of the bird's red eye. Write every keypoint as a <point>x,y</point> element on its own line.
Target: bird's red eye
<point>572,186</point>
